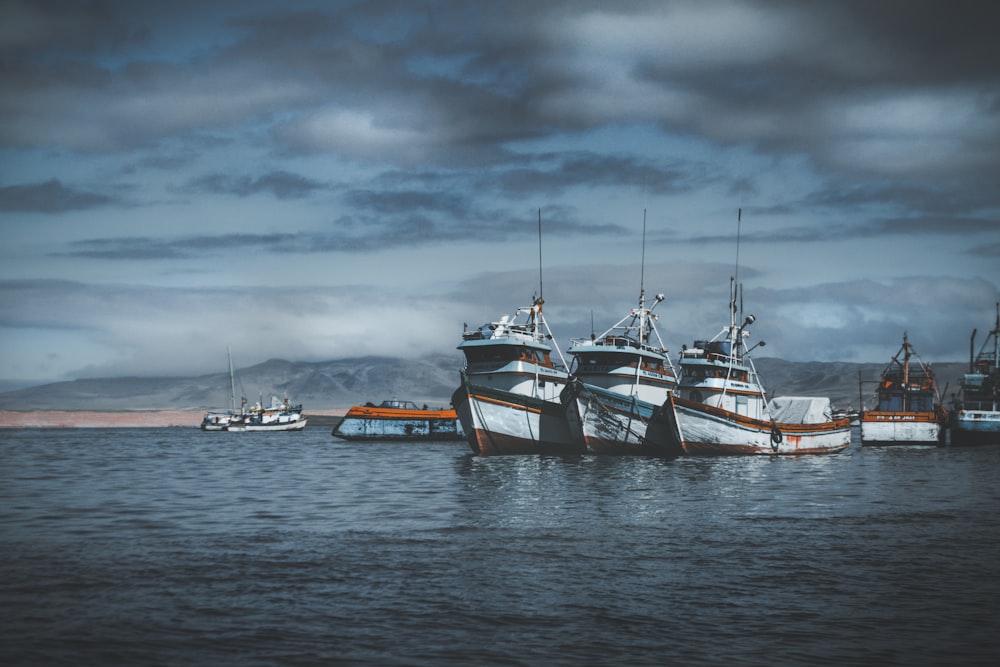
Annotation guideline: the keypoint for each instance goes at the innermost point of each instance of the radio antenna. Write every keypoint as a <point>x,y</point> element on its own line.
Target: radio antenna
<point>739,219</point>
<point>540,290</point>
<point>642,265</point>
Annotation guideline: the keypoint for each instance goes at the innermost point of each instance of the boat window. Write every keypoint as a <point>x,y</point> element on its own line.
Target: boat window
<point>890,402</point>
<point>492,354</point>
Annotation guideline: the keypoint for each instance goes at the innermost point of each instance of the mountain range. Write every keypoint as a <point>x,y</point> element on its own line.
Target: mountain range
<point>339,384</point>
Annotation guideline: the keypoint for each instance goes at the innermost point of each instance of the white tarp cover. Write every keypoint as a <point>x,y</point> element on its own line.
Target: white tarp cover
<point>800,409</point>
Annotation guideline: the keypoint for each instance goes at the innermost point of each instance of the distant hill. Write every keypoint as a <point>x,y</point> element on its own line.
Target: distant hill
<point>317,385</point>
<point>339,384</point>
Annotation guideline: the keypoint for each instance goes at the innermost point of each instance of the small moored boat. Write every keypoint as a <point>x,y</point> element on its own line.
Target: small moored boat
<point>398,420</point>
<point>224,420</point>
<point>278,416</point>
<point>975,418</point>
<point>907,407</point>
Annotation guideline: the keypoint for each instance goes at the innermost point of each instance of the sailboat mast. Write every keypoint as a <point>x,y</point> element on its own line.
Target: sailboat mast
<point>996,339</point>
<point>232,381</point>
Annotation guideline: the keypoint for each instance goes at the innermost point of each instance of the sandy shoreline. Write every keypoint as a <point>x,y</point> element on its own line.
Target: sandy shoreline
<point>93,419</point>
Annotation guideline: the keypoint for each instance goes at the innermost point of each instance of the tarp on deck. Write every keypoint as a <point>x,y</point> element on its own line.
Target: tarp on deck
<point>800,409</point>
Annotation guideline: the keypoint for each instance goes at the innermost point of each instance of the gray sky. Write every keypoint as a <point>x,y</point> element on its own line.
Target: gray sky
<point>316,180</point>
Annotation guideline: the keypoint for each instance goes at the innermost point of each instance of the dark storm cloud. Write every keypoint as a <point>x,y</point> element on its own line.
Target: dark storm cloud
<point>389,202</point>
<point>554,173</point>
<point>456,81</point>
<point>146,248</point>
<point>986,250</point>
<point>382,222</point>
<point>281,184</point>
<point>49,197</point>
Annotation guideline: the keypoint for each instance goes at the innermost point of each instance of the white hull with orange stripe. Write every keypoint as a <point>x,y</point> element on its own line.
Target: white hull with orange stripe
<point>901,428</point>
<point>500,422</point>
<point>699,429</point>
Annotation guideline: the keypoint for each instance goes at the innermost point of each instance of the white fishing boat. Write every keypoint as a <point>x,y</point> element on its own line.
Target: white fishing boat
<point>509,398</point>
<point>620,379</point>
<point>720,406</point>
<point>907,407</point>
<point>508,401</point>
<point>975,418</point>
<point>280,415</point>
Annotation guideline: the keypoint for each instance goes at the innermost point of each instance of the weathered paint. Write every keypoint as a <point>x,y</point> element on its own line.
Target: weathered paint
<point>975,427</point>
<point>901,428</point>
<point>610,423</point>
<point>698,429</point>
<point>499,422</point>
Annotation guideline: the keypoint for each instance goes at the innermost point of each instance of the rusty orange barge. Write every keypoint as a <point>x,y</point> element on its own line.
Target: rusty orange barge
<point>398,420</point>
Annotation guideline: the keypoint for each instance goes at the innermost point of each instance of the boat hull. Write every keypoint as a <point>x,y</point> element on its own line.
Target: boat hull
<point>609,423</point>
<point>901,428</point>
<point>975,427</point>
<point>296,425</point>
<point>365,423</point>
<point>214,426</point>
<point>700,430</point>
<point>498,422</point>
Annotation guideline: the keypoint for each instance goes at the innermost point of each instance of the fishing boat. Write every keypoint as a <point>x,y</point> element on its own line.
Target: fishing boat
<point>720,406</point>
<point>221,420</point>
<point>509,398</point>
<point>398,420</point>
<point>619,379</point>
<point>975,418</point>
<point>280,415</point>
<point>907,406</point>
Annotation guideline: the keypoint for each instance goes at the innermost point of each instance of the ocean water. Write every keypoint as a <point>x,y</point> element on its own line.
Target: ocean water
<point>177,547</point>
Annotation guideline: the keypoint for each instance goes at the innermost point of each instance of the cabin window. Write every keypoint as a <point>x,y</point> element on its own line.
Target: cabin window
<point>890,402</point>
<point>493,356</point>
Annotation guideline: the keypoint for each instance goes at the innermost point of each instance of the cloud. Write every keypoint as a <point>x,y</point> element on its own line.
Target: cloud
<point>49,197</point>
<point>281,184</point>
<point>150,330</point>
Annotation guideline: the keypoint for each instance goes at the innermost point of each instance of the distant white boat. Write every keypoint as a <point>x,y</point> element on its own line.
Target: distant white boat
<point>278,416</point>
<point>222,420</point>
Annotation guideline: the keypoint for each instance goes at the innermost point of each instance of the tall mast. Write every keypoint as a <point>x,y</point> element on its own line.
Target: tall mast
<point>739,223</point>
<point>232,381</point>
<point>906,373</point>
<point>540,290</point>
<point>996,339</point>
<point>642,284</point>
